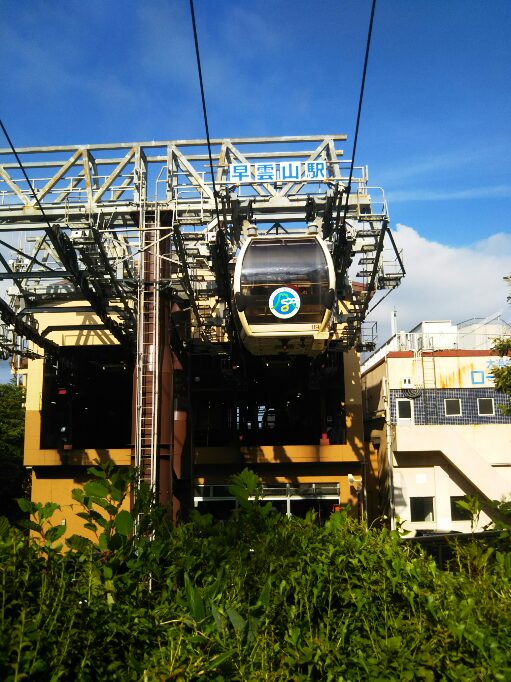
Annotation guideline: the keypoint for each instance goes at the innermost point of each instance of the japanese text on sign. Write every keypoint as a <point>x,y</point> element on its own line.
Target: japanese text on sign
<point>286,171</point>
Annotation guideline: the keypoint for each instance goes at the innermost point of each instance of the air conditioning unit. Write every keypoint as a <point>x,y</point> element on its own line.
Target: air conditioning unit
<point>407,382</point>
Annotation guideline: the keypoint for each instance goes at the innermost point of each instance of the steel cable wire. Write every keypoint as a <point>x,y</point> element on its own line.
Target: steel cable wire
<point>204,111</point>
<point>357,125</point>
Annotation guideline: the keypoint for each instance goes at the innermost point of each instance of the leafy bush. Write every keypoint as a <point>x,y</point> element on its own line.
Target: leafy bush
<point>258,597</point>
<point>14,481</point>
<point>502,375</point>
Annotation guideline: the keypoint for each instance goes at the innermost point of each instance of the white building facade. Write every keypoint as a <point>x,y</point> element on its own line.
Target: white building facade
<point>432,410</point>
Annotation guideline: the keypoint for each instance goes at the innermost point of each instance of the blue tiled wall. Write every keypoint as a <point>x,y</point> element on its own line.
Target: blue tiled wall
<point>428,406</point>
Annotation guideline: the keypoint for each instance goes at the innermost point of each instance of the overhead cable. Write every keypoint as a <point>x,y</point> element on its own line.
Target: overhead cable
<point>204,112</point>
<point>219,240</point>
<point>359,111</point>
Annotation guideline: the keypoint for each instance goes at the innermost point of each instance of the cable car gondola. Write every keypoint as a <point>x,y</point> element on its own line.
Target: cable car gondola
<point>284,290</point>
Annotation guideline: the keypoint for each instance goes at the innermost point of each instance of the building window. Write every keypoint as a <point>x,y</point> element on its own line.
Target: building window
<point>485,407</point>
<point>421,509</point>
<point>452,407</point>
<point>404,409</point>
<point>457,513</point>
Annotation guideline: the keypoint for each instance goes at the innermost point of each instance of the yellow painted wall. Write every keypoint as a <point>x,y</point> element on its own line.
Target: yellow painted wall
<point>79,337</point>
<point>53,486</point>
<point>275,454</point>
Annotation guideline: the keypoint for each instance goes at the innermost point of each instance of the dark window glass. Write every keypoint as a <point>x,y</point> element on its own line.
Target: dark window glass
<point>485,406</point>
<point>404,409</point>
<point>421,509</point>
<point>452,407</point>
<point>279,506</point>
<point>458,514</point>
<point>220,509</point>
<point>327,489</point>
<point>323,508</point>
<point>86,403</point>
<point>275,489</point>
<point>221,491</point>
<point>298,263</point>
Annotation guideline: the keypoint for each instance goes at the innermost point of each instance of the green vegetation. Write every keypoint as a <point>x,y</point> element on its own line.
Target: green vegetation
<point>14,478</point>
<point>502,375</point>
<point>258,597</point>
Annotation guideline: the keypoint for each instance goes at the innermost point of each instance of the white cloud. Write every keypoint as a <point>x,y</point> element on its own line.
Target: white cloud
<point>447,283</point>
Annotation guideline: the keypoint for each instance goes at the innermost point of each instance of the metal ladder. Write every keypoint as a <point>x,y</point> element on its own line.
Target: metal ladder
<point>428,368</point>
<point>148,349</point>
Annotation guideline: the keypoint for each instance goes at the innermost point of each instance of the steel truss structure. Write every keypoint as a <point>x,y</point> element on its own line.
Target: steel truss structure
<point>127,224</point>
<point>95,196</point>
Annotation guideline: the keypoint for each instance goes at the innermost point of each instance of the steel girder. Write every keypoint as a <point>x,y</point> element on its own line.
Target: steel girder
<point>93,197</point>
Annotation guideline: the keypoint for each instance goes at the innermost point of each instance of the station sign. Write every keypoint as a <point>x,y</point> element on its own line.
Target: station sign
<point>285,171</point>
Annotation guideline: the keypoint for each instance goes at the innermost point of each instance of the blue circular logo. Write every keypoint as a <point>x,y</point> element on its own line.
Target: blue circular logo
<point>284,302</point>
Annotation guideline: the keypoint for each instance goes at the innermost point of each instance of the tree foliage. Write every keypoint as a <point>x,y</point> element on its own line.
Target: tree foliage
<point>12,414</point>
<point>13,479</point>
<point>502,375</point>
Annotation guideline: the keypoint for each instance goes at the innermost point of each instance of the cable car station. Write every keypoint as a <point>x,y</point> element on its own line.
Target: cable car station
<point>191,323</point>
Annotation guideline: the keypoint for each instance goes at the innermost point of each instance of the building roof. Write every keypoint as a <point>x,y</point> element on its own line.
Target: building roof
<point>475,336</point>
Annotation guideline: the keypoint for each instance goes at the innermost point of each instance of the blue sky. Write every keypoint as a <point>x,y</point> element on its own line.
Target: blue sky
<point>435,128</point>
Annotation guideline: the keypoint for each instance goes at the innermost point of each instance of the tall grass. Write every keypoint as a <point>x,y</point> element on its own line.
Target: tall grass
<point>258,597</point>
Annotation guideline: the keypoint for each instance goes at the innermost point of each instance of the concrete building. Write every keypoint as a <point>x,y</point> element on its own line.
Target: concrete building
<point>432,410</point>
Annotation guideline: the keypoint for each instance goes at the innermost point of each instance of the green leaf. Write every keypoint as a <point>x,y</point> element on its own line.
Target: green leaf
<point>244,485</point>
<point>96,489</point>
<point>116,541</point>
<point>103,542</point>
<point>218,618</point>
<point>31,525</point>
<point>253,628</point>
<point>264,597</point>
<point>98,518</point>
<point>97,472</point>
<point>26,505</point>
<point>55,533</point>
<point>117,494</point>
<point>78,543</point>
<point>48,510</point>
<point>124,522</point>
<point>5,526</point>
<point>194,598</point>
<point>217,661</point>
<point>78,494</point>
<point>238,622</point>
<point>394,643</point>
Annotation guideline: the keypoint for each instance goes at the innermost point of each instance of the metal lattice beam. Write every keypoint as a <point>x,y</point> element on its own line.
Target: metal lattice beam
<point>93,197</point>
